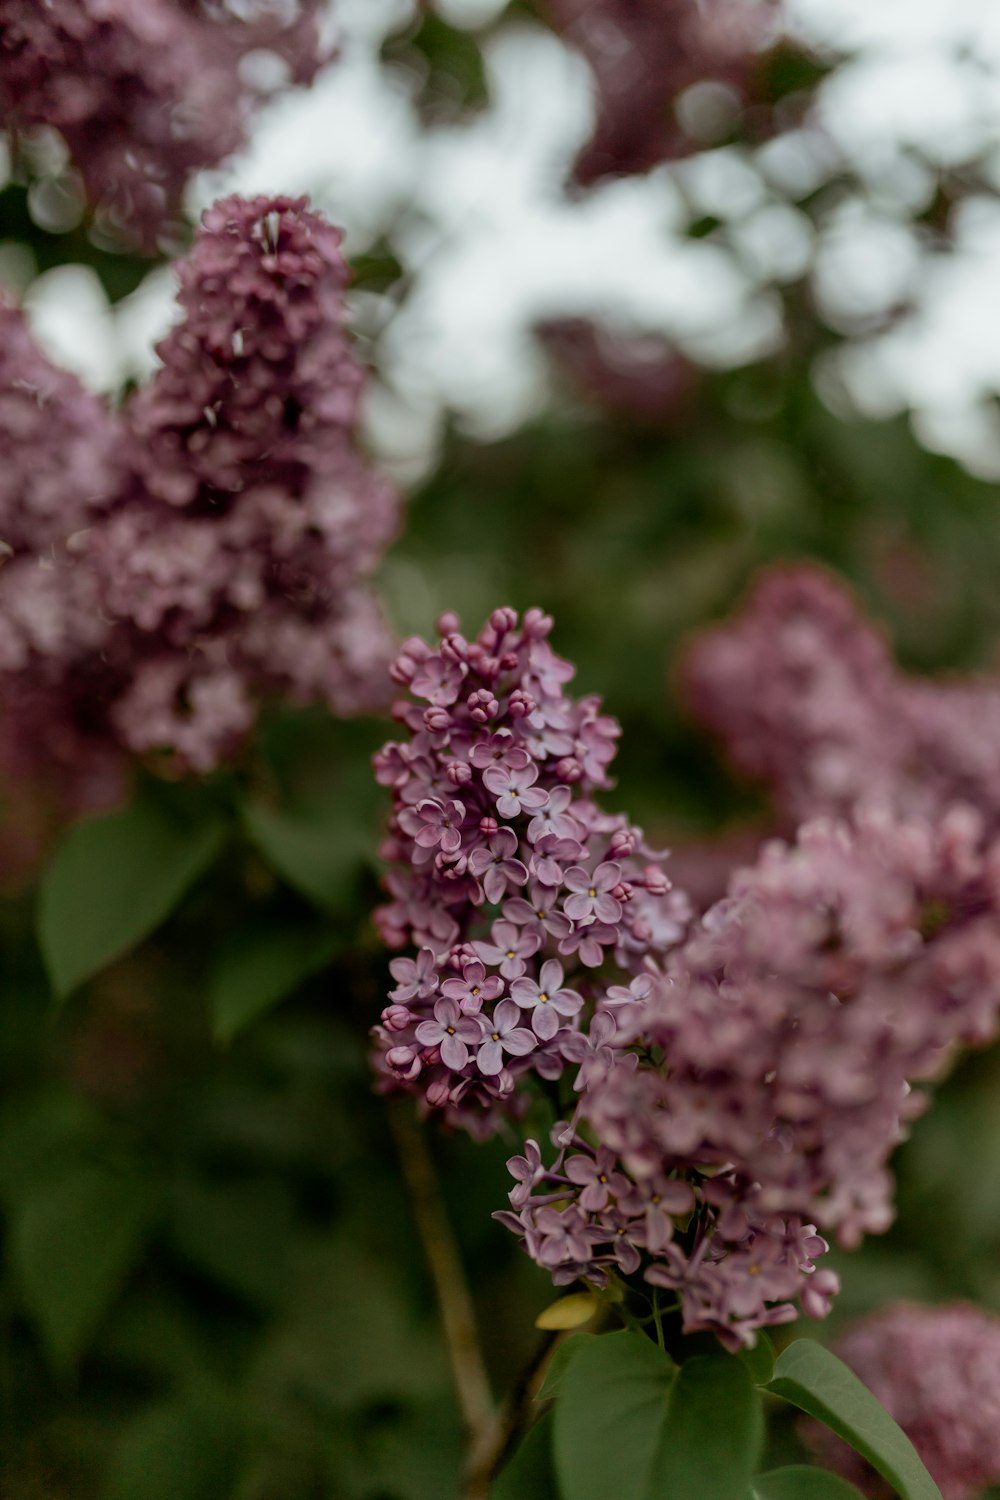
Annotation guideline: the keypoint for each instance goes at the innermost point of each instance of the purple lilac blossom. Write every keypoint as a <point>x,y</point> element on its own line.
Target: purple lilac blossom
<point>803,693</point>
<point>170,567</point>
<point>65,454</point>
<point>644,54</point>
<point>145,92</point>
<point>232,570</point>
<point>749,1095</point>
<point>520,894</point>
<point>936,1370</point>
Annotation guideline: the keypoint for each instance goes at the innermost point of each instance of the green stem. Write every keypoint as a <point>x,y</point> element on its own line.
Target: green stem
<point>458,1320</point>
<point>657,1319</point>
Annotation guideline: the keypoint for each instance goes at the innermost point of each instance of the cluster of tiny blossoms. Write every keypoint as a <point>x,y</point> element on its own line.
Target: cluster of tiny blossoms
<point>936,1370</point>
<point>146,92</point>
<point>769,1071</point>
<point>64,453</point>
<point>803,692</point>
<point>233,568</point>
<point>517,889</point>
<point>173,564</point>
<point>545,930</point>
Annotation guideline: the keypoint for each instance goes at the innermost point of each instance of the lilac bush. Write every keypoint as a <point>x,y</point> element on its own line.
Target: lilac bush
<point>145,92</point>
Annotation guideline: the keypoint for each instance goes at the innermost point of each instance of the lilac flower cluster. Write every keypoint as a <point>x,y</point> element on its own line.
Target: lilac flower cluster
<point>804,694</point>
<point>742,1080</point>
<point>205,548</point>
<point>145,92</point>
<point>733,1267</point>
<point>767,1073</point>
<point>839,969</point>
<point>937,1371</point>
<point>64,453</point>
<point>517,889</point>
<point>232,569</point>
<point>644,54</point>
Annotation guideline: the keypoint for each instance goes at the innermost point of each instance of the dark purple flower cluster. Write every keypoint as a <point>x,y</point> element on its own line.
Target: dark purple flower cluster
<point>145,92</point>
<point>203,549</point>
<point>937,1371</point>
<point>644,54</point>
<point>804,695</point>
<point>515,886</point>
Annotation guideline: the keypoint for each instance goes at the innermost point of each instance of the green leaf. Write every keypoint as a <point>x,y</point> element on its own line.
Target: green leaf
<point>316,857</point>
<point>113,880</point>
<point>609,1415</point>
<point>802,1482</point>
<point>817,1382</point>
<point>74,1243</point>
<point>530,1474</point>
<point>711,1435</point>
<point>260,966</point>
<point>319,841</point>
<point>759,1361</point>
<point>559,1360</point>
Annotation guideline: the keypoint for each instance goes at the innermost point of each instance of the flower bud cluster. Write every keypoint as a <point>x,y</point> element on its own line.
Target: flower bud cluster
<point>518,890</point>
<point>145,92</point>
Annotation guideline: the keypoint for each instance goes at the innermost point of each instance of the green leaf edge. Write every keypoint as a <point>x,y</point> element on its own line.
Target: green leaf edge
<point>207,841</point>
<point>796,1372</point>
